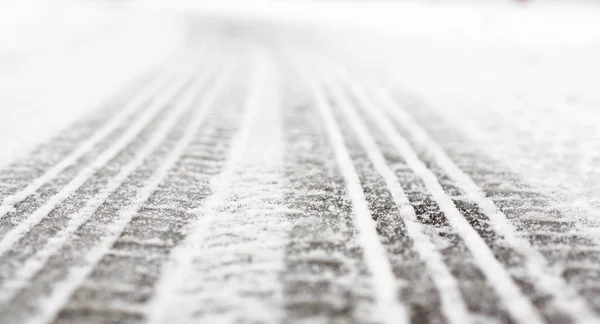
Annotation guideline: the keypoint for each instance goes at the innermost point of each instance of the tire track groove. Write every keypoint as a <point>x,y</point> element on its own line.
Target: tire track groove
<point>519,306</point>
<point>9,287</point>
<point>14,235</point>
<point>98,240</point>
<point>533,272</point>
<point>9,202</point>
<point>17,175</point>
<point>146,242</point>
<point>537,224</point>
<point>384,283</point>
<point>452,305</point>
<point>325,278</point>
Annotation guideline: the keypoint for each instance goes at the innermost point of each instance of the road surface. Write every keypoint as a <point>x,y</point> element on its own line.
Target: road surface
<point>253,179</point>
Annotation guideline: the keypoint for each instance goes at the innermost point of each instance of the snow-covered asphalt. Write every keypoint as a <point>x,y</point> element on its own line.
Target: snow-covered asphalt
<point>257,175</point>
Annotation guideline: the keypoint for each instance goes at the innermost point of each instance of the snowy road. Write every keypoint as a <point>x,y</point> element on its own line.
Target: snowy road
<point>257,176</point>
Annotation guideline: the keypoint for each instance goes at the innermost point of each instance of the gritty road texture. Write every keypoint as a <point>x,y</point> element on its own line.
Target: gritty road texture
<point>245,183</point>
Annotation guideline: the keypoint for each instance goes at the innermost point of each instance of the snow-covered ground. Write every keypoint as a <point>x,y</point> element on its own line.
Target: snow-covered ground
<point>326,162</point>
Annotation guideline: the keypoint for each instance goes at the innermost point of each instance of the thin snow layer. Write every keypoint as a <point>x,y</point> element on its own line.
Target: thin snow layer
<point>61,60</point>
<point>518,87</point>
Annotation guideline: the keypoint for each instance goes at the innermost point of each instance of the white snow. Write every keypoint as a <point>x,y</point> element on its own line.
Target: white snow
<point>254,166</point>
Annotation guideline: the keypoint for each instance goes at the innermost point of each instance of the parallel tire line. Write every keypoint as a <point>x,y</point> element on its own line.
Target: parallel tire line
<point>564,297</point>
<point>509,218</point>
<point>131,108</point>
<point>478,293</point>
<point>519,306</point>
<point>453,306</point>
<point>116,281</point>
<point>30,268</point>
<point>19,174</point>
<point>59,297</point>
<point>325,277</point>
<point>384,282</point>
<point>13,236</point>
<point>123,280</point>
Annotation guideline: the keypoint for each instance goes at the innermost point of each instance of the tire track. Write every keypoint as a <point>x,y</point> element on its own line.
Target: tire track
<point>519,306</point>
<point>390,310</point>
<point>52,288</point>
<point>22,210</point>
<point>481,301</point>
<point>17,175</point>
<point>30,254</point>
<point>50,195</point>
<point>124,280</point>
<point>9,202</point>
<point>415,259</point>
<point>325,279</point>
<point>542,228</point>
